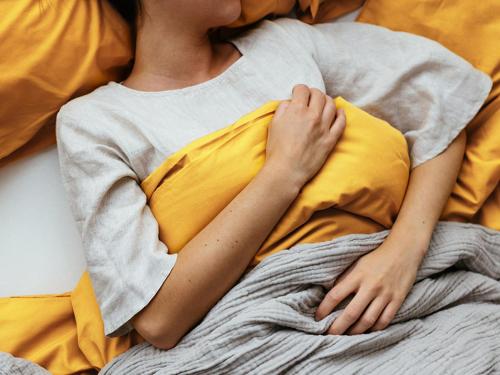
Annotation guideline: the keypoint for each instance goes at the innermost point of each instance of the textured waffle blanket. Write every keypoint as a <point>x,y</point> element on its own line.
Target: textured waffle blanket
<point>449,323</point>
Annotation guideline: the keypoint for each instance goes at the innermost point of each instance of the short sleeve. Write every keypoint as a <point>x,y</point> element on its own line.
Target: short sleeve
<point>126,260</point>
<point>416,84</point>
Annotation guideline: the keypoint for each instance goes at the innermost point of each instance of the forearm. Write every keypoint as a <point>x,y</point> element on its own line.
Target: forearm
<point>211,263</point>
<point>428,190</point>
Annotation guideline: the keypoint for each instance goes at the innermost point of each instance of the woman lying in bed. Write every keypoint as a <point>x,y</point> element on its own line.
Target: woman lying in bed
<point>185,84</point>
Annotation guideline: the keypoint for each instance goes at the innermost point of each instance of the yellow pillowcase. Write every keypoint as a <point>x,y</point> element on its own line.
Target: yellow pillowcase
<point>53,51</point>
<point>254,10</point>
<point>317,11</point>
<point>472,30</point>
<point>359,189</point>
<point>310,11</point>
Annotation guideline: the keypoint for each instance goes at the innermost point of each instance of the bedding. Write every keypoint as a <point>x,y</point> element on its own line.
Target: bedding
<point>100,350</point>
<point>449,323</point>
<point>56,50</point>
<point>310,11</point>
<point>471,30</point>
<point>333,203</point>
<point>316,11</point>
<point>113,138</point>
<point>85,44</point>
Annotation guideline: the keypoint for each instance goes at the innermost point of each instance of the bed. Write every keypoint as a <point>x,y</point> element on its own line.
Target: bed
<point>41,252</point>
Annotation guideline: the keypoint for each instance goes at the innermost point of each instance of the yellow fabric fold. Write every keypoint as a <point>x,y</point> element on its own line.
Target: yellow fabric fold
<point>359,189</point>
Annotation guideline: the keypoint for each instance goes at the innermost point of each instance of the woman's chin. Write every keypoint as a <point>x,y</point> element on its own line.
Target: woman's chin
<point>230,12</point>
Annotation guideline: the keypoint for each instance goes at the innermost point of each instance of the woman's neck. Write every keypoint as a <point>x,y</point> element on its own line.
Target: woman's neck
<point>166,58</point>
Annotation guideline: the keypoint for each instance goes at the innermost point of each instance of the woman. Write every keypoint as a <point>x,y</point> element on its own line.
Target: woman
<point>185,84</point>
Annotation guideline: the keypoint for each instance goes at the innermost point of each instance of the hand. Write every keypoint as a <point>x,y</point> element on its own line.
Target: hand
<point>302,133</point>
<point>380,280</point>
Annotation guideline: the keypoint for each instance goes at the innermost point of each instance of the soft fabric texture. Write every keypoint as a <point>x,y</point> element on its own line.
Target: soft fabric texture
<point>63,333</point>
<point>112,139</point>
<point>53,51</point>
<point>449,323</point>
<point>254,10</point>
<point>471,29</point>
<point>10,365</point>
<point>310,11</point>
<point>333,203</point>
<point>316,11</point>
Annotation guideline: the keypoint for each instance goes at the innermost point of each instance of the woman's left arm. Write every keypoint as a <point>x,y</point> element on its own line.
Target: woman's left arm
<point>381,279</point>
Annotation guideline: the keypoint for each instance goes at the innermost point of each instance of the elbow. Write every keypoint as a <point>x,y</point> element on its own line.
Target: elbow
<point>155,331</point>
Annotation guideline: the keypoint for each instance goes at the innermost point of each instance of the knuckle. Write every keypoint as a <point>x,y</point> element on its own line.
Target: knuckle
<point>384,322</point>
<point>316,91</point>
<point>350,315</point>
<point>388,296</point>
<point>300,86</point>
<point>311,119</point>
<point>368,320</point>
<point>314,117</point>
<point>399,299</point>
<point>377,286</point>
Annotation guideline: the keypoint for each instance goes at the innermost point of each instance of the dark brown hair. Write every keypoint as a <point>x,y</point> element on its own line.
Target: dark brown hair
<point>129,10</point>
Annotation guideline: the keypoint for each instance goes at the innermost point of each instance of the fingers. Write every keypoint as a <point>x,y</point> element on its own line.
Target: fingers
<point>352,312</point>
<point>317,101</point>
<point>336,295</point>
<point>300,95</point>
<point>387,315</point>
<point>369,317</point>
<point>281,109</point>
<point>338,126</point>
<point>329,112</point>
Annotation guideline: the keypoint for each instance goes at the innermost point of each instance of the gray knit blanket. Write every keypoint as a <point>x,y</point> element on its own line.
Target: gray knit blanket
<point>448,324</point>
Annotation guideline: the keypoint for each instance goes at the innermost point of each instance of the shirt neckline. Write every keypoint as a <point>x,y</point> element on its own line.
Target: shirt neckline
<point>217,80</point>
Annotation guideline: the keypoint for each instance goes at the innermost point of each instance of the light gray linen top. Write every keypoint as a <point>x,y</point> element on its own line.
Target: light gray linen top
<point>111,139</point>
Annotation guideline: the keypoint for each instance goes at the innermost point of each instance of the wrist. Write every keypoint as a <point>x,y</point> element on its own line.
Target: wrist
<point>281,180</point>
<point>414,243</point>
<point>283,177</point>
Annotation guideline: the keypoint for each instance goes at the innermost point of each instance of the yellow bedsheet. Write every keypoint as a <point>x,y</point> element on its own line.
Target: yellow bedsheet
<point>471,29</point>
<point>359,189</point>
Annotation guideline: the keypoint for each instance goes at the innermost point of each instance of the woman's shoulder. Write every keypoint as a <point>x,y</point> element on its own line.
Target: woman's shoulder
<point>86,115</point>
<point>87,104</point>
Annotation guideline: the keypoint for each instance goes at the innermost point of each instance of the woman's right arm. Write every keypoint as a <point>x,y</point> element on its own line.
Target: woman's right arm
<point>213,261</point>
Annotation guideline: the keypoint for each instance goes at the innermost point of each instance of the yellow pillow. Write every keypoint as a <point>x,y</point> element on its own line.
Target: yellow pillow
<point>317,11</point>
<point>472,30</point>
<point>53,51</point>
<point>310,11</point>
<point>254,10</point>
<point>359,189</point>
